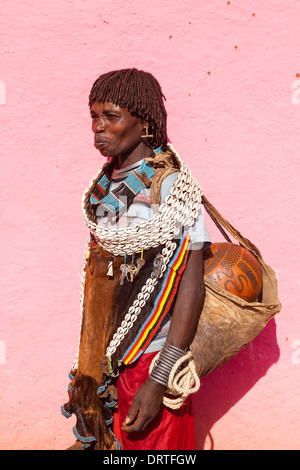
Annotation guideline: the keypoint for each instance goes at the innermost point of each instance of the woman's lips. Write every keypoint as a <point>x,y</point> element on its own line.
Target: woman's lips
<point>100,142</point>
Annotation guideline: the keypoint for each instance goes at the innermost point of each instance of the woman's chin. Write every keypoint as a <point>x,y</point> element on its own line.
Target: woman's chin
<point>103,151</point>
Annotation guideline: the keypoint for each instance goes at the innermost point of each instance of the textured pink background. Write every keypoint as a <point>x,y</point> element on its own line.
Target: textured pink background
<point>230,72</point>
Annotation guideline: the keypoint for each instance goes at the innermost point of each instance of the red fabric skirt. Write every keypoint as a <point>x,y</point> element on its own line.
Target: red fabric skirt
<point>170,429</point>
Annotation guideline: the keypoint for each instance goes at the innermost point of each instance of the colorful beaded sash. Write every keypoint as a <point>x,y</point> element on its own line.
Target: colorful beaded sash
<point>162,303</point>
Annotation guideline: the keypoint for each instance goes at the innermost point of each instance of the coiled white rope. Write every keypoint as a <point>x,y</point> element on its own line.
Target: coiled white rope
<point>183,381</point>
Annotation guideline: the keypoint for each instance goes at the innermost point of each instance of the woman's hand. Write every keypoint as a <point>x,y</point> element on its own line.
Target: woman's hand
<point>145,407</point>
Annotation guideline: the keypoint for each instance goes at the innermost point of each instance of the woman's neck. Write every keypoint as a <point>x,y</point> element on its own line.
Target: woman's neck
<point>139,153</point>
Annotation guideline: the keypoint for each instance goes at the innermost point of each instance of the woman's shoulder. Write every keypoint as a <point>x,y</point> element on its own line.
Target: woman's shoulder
<point>167,184</point>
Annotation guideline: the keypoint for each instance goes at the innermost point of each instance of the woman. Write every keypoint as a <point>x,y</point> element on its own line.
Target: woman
<point>129,126</point>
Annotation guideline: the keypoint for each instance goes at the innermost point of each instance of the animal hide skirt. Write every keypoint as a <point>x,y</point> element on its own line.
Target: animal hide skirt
<point>92,390</point>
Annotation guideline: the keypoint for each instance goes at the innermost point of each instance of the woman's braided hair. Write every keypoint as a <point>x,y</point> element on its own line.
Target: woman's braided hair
<point>141,94</point>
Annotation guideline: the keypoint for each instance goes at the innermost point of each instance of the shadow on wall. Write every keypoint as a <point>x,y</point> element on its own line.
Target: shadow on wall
<point>224,387</point>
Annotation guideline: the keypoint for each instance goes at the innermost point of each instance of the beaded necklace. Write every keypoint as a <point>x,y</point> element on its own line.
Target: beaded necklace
<point>180,207</point>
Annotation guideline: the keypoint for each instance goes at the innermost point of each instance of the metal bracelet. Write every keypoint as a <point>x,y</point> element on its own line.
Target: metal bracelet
<point>163,367</point>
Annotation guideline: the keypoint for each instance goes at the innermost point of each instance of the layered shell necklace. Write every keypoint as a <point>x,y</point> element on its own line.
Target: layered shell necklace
<point>180,209</point>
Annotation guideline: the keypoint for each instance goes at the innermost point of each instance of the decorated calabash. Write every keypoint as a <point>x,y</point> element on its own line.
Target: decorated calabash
<point>235,269</point>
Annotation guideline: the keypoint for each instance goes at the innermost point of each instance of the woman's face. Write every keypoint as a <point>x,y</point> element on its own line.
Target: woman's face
<point>116,132</point>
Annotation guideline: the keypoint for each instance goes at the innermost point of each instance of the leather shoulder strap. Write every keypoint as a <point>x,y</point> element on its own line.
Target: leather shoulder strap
<point>164,164</point>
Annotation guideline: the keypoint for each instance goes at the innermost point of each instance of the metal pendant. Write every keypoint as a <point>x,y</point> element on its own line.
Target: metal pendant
<point>124,273</point>
<point>134,270</point>
<point>157,265</point>
<point>110,272</point>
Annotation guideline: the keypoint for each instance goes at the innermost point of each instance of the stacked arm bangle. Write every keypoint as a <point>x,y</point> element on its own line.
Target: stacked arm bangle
<point>165,363</point>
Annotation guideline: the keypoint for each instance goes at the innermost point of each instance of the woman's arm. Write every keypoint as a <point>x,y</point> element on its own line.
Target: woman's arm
<point>147,400</point>
<point>189,301</point>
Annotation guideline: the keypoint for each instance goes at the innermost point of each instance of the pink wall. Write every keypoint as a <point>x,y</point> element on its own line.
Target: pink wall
<point>231,75</point>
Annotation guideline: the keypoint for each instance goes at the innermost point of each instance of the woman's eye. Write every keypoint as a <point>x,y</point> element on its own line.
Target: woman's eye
<point>109,116</point>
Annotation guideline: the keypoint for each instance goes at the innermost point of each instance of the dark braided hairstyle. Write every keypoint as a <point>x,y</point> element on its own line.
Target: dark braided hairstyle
<point>141,94</point>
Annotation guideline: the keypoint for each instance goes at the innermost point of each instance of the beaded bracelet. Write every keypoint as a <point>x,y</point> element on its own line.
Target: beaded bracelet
<point>166,361</point>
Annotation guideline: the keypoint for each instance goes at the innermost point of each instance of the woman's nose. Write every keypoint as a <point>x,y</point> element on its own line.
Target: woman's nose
<point>100,125</point>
